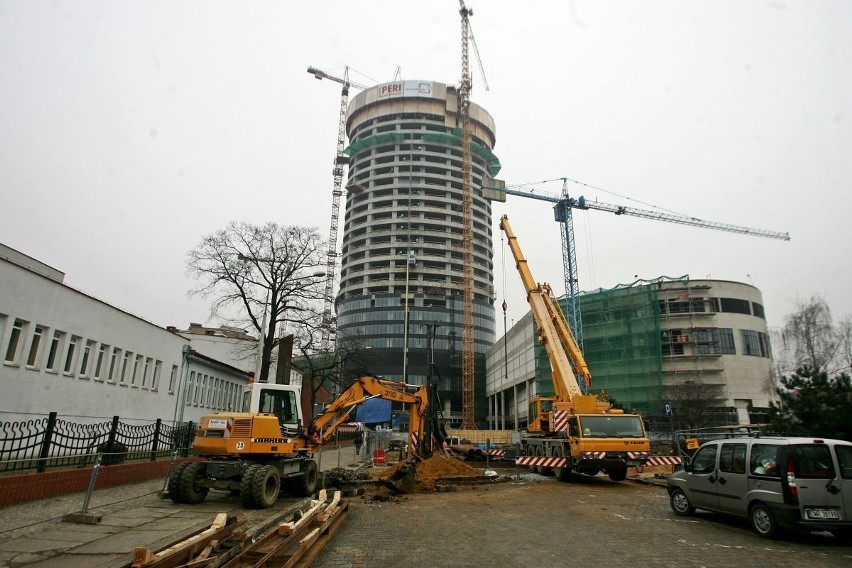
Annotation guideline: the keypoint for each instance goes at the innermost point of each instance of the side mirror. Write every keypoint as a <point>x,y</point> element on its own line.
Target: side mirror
<point>687,466</point>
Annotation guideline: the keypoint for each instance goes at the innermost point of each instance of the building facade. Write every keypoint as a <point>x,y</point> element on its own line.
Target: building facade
<point>64,351</point>
<point>402,264</point>
<point>692,351</point>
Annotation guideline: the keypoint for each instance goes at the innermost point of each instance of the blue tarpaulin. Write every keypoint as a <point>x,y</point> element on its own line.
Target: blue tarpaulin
<point>374,411</point>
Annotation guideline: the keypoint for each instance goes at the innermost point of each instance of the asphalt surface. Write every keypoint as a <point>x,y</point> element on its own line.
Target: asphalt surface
<point>525,520</point>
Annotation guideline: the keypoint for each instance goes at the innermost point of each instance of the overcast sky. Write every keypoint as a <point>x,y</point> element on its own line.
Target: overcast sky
<point>128,130</point>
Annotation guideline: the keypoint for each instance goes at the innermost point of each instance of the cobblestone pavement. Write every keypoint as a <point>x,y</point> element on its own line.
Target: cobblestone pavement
<point>541,522</point>
<point>530,521</point>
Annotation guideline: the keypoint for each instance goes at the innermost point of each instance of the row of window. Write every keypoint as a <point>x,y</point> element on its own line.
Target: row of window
<point>213,392</point>
<point>38,347</point>
<point>712,305</point>
<point>715,341</point>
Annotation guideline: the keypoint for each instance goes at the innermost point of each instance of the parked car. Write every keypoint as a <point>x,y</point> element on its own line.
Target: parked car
<point>777,483</point>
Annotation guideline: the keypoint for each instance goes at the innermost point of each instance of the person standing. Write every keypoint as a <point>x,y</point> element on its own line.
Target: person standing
<point>359,441</point>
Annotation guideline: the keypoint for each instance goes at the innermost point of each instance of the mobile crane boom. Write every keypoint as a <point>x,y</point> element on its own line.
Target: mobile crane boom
<point>572,431</point>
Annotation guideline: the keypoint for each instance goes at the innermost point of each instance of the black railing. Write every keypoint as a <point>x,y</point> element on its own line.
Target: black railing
<point>51,442</point>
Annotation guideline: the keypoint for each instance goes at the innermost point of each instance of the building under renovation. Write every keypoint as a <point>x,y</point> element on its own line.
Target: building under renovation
<point>695,352</point>
<point>401,279</point>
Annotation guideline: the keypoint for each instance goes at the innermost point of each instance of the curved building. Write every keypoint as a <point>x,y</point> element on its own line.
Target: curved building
<point>402,253</point>
<point>682,352</point>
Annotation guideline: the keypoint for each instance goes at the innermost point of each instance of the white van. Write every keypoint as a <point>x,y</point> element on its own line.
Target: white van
<point>777,483</point>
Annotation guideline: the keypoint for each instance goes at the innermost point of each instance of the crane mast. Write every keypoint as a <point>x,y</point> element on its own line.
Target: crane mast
<point>340,160</point>
<point>468,420</point>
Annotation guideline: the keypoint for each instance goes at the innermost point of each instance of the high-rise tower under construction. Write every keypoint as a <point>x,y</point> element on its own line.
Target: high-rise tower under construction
<point>401,281</point>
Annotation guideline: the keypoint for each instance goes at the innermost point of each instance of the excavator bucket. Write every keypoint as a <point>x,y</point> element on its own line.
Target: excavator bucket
<point>404,478</point>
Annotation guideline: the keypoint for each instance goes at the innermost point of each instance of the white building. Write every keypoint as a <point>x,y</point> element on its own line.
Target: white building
<point>64,351</point>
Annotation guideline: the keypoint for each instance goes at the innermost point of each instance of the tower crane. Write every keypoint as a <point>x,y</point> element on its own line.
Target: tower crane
<point>468,420</point>
<point>563,206</point>
<point>340,160</point>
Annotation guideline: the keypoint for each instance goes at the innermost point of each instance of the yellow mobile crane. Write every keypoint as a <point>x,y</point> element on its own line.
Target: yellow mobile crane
<point>572,431</point>
<point>266,447</point>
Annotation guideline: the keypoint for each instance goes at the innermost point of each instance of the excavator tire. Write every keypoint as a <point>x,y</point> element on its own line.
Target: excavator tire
<point>190,490</point>
<point>265,486</point>
<point>174,482</point>
<point>307,483</point>
<point>246,484</point>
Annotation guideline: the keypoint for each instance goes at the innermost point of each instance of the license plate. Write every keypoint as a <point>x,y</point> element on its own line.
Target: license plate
<point>821,514</point>
<point>217,423</point>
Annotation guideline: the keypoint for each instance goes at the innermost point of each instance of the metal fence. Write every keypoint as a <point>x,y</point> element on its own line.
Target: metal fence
<point>52,442</point>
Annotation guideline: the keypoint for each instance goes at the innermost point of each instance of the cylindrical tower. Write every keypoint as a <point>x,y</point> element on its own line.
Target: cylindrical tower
<point>402,253</point>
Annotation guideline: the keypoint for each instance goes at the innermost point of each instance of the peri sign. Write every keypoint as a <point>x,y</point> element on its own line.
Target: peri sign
<point>405,89</point>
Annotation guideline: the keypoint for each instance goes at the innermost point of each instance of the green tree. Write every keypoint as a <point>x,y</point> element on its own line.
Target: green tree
<point>813,404</point>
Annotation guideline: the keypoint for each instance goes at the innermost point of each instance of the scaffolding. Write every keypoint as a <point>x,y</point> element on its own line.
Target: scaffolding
<point>621,329</point>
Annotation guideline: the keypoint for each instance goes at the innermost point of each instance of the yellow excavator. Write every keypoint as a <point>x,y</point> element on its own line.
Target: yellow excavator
<point>268,447</point>
<point>572,432</point>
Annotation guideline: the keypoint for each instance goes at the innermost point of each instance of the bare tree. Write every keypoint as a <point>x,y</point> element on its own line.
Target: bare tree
<point>844,333</point>
<point>696,404</point>
<point>809,338</point>
<point>262,277</point>
<point>332,370</point>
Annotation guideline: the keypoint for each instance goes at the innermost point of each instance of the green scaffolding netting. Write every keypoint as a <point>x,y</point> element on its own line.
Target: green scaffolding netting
<point>453,139</point>
<point>621,344</point>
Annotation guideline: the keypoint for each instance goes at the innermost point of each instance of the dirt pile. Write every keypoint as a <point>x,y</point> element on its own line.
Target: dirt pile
<point>430,471</point>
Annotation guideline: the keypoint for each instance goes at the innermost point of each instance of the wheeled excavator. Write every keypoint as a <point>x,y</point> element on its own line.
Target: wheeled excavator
<point>571,431</point>
<point>267,447</point>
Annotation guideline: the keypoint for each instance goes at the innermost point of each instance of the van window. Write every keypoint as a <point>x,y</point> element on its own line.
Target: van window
<point>705,459</point>
<point>844,456</point>
<point>732,458</point>
<point>764,460</point>
<point>813,461</point>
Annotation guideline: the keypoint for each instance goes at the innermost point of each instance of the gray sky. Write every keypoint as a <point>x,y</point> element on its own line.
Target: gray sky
<point>130,129</point>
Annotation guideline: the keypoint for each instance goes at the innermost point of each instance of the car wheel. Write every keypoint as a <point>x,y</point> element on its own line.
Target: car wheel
<point>762,521</point>
<point>680,503</point>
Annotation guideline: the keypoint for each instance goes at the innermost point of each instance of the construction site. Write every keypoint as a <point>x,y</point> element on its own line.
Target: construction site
<point>564,423</point>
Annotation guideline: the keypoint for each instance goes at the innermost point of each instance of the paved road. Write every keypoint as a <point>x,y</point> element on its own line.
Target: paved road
<point>591,522</point>
<point>542,522</point>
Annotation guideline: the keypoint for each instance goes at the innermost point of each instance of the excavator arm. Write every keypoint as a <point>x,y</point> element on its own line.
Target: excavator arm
<point>365,387</point>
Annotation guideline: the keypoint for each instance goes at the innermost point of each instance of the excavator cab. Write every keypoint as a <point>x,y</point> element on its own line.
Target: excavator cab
<point>282,401</point>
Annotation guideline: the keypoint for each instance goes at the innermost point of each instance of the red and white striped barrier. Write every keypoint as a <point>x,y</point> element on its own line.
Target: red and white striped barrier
<point>663,460</point>
<point>494,453</point>
<point>541,461</point>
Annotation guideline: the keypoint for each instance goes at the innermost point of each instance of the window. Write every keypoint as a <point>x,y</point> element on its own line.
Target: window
<point>55,344</point>
<point>14,342</point>
<point>732,458</point>
<point>726,341</point>
<point>137,363</point>
<point>813,461</point>
<point>68,369</point>
<point>113,364</point>
<point>32,358</point>
<point>155,376</point>
<point>172,377</point>
<point>122,380</point>
<point>145,372</point>
<point>100,361</point>
<point>844,458</point>
<point>751,342</point>
<point>84,363</point>
<point>735,306</point>
<point>764,460</point>
<point>705,460</point>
